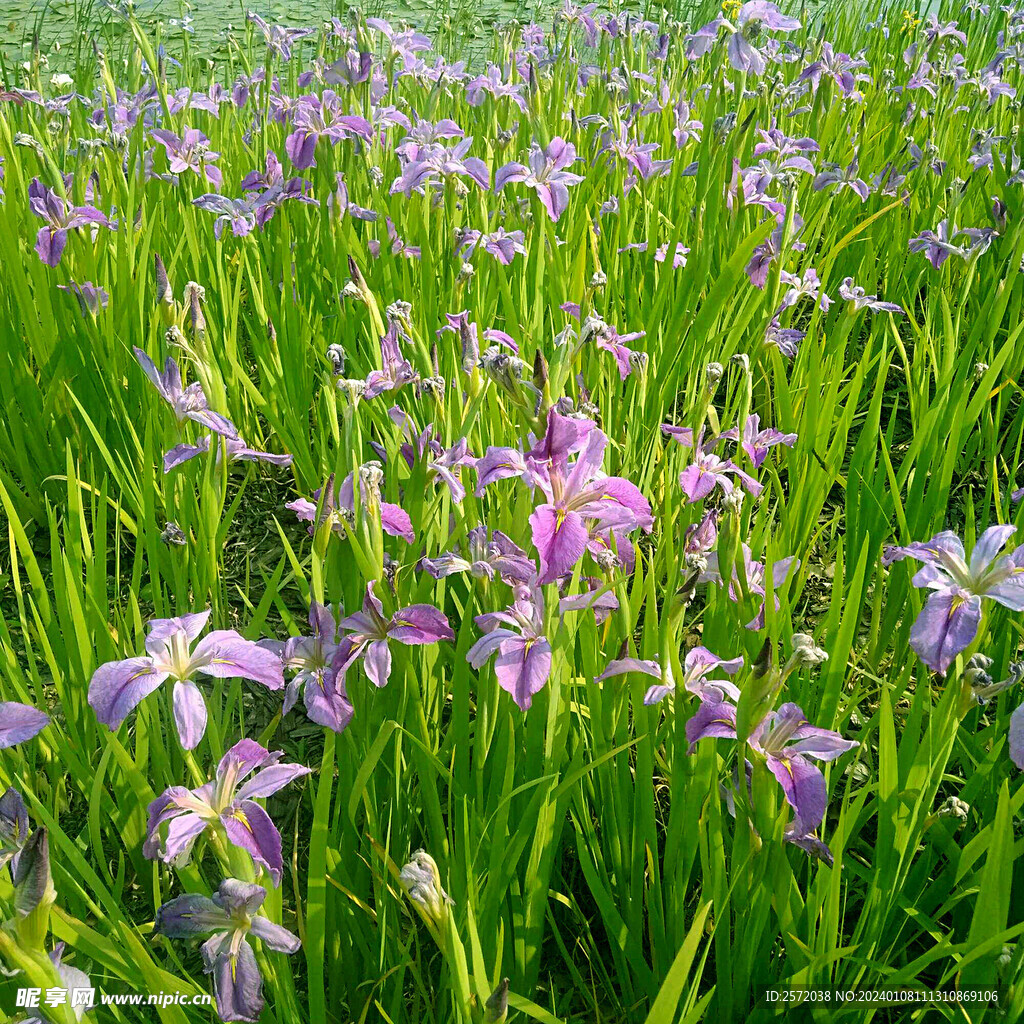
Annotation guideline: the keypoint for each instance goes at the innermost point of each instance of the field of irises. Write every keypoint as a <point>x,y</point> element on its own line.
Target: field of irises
<point>533,539</point>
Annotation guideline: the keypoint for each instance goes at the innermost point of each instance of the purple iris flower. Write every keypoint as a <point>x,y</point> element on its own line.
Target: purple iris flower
<point>91,297</point>
<point>324,115</point>
<point>395,369</point>
<point>546,175</point>
<point>578,495</point>
<point>490,554</point>
<point>369,633</point>
<point>697,666</point>
<point>936,245</point>
<point>850,292</point>
<point>311,658</point>
<point>429,164</point>
<point>20,722</point>
<point>785,339</point>
<point>190,152</point>
<point>936,30</point>
<point>707,471</point>
<point>503,245</point>
<point>14,829</point>
<point>516,636</point>
<point>237,451</point>
<point>238,214</point>
<point>839,67</point>
<point>806,285</point>
<point>686,128</point>
<point>634,152</point>
<point>226,804</point>
<point>118,686</point>
<point>339,200</point>
<point>608,339</point>
<point>188,403</point>
<point>786,741</point>
<point>61,217</point>
<point>231,915</point>
<point>1016,737</point>
<point>492,82</point>
<point>743,54</point>
<point>279,39</point>
<point>839,177</point>
<point>444,464</point>
<point>754,573</point>
<point>394,520</point>
<point>350,69</point>
<point>757,442</point>
<point>949,621</point>
<point>404,42</point>
<point>399,247</point>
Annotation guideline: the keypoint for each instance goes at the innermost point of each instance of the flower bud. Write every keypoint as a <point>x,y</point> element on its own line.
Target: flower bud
<point>422,883</point>
<point>164,293</point>
<point>195,296</point>
<point>34,893</point>
<point>954,807</point>
<point>336,354</point>
<point>496,1007</point>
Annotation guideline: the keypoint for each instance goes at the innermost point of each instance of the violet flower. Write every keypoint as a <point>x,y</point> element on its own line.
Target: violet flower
<point>311,658</point>
<point>340,504</point>
<point>492,82</point>
<point>190,152</point>
<point>188,403</point>
<point>228,806</point>
<point>20,722</point>
<point>490,554</point>
<point>743,54</point>
<point>578,495</point>
<point>61,217</point>
<point>757,442</point>
<point>369,634</point>
<point>806,285</point>
<point>546,175</point>
<point>238,214</point>
<point>937,245</point>
<point>395,370</point>
<point>754,574</point>
<point>707,471</point>
<point>503,245</point>
<point>235,448</point>
<point>839,67</point>
<point>279,39</point>
<point>697,665</point>
<point>91,298</point>
<point>231,915</point>
<point>850,292</point>
<point>838,177</point>
<point>118,686</point>
<point>785,740</point>
<point>430,164</point>
<point>516,636</point>
<point>785,339</point>
<point>949,621</point>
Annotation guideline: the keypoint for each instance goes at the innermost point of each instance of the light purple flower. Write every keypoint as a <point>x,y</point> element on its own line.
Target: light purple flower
<point>311,658</point>
<point>850,292</point>
<point>369,633</point>
<point>14,829</point>
<point>949,621</point>
<point>235,447</point>
<point>757,442</point>
<point>61,217</point>
<point>118,686</point>
<point>491,554</point>
<point>546,175</point>
<point>340,504</point>
<point>698,664</point>
<point>231,915</point>
<point>190,152</point>
<point>516,636</point>
<point>427,165</point>
<point>743,54</point>
<point>839,67</point>
<point>785,339</point>
<point>937,245</point>
<point>503,245</point>
<point>395,370</point>
<point>493,83</point>
<point>91,298</point>
<point>837,177</point>
<point>754,574</point>
<point>188,403</point>
<point>707,471</point>
<point>806,285</point>
<point>786,741</point>
<point>20,722</point>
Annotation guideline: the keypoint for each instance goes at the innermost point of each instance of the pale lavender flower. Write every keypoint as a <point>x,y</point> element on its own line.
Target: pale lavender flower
<point>188,403</point>
<point>231,915</point>
<point>238,214</point>
<point>117,687</point>
<point>743,54</point>
<point>492,82</point>
<point>516,636</point>
<point>368,633</point>
<point>937,245</point>
<point>490,554</point>
<point>785,739</point>
<point>20,722</point>
<point>698,664</point>
<point>395,371</point>
<point>311,658</point>
<point>61,217</point>
<point>279,39</point>
<point>190,152</point>
<point>340,505</point>
<point>503,245</point>
<point>757,442</point>
<point>837,177</point>
<point>785,339</point>
<point>806,285</point>
<point>949,621</point>
<point>91,298</point>
<point>707,471</point>
<point>546,175</point>
<point>839,67</point>
<point>427,165</point>
<point>850,292</point>
<point>235,448</point>
<point>754,575</point>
